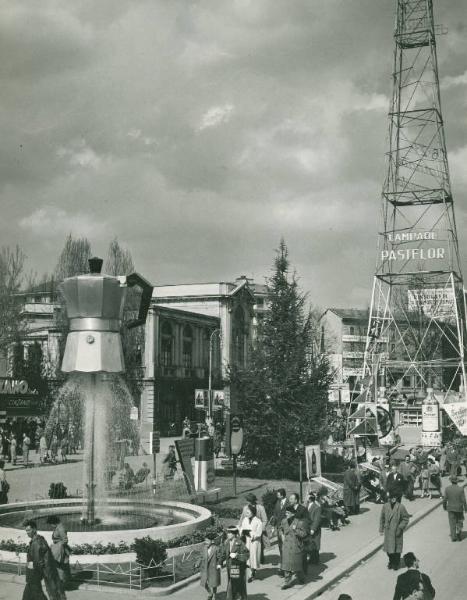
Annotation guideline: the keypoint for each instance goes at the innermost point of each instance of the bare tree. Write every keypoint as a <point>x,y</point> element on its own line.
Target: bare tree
<point>11,280</point>
<point>73,259</point>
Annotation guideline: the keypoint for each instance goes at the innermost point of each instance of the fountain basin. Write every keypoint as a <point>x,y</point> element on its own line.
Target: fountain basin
<point>168,520</point>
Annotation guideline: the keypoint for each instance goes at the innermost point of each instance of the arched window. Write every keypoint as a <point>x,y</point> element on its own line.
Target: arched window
<point>187,348</point>
<point>166,344</point>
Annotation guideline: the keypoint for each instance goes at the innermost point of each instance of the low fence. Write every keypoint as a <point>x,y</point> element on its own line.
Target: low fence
<point>130,575</point>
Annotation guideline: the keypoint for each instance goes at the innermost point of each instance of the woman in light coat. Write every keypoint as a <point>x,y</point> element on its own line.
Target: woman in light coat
<point>251,531</point>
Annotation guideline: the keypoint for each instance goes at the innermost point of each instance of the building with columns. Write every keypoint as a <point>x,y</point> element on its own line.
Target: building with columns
<point>184,323</point>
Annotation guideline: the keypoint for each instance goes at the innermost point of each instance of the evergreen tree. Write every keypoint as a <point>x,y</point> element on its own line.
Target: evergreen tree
<point>283,393</point>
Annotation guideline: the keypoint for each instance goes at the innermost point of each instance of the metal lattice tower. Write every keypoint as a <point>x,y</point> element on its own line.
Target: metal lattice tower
<point>417,317</point>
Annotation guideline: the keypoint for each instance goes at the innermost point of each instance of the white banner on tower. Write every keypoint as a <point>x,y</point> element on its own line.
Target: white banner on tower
<point>457,412</point>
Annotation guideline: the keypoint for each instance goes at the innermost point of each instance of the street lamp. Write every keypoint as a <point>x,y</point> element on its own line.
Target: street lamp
<point>300,448</point>
<point>213,333</point>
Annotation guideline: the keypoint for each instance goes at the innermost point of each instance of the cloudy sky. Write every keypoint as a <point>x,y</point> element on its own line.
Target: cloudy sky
<point>199,132</point>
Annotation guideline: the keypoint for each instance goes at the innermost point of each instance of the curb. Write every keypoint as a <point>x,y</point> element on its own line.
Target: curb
<point>349,565</point>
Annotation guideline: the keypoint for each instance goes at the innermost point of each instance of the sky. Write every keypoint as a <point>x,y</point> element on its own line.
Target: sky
<point>200,133</point>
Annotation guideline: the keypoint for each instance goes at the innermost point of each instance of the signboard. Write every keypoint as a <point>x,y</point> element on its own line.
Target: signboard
<point>418,245</point>
<point>236,434</point>
<point>434,302</point>
<point>430,417</point>
<point>201,399</point>
<point>186,453</point>
<point>431,439</point>
<point>457,412</point>
<point>217,399</point>
<point>313,461</point>
<point>18,400</point>
<point>155,441</point>
<point>345,395</point>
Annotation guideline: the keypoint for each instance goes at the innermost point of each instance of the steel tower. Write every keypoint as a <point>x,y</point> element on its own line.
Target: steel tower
<point>417,319</point>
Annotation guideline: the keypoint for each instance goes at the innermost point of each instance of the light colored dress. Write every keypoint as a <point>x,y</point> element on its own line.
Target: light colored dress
<point>253,540</point>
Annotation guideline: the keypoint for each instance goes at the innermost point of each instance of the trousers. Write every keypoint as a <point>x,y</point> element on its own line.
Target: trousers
<point>456,522</point>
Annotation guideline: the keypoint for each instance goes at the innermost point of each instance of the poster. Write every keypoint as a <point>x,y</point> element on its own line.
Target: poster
<point>457,412</point>
<point>186,452</point>
<point>313,461</point>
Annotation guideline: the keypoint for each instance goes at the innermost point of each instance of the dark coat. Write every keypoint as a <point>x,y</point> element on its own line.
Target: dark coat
<point>454,499</point>
<point>395,484</point>
<point>294,535</point>
<point>278,514</point>
<point>393,521</point>
<point>315,513</point>
<point>42,567</point>
<point>409,582</point>
<point>236,587</point>
<point>351,488</point>
<point>209,573</point>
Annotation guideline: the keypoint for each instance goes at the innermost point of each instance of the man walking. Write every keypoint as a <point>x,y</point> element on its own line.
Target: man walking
<point>351,490</point>
<point>413,581</point>
<point>26,446</point>
<point>406,470</point>
<point>278,516</point>
<point>394,483</point>
<point>454,502</point>
<point>394,519</point>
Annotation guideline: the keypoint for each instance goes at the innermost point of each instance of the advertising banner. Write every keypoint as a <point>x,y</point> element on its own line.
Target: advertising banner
<point>457,412</point>
<point>313,461</point>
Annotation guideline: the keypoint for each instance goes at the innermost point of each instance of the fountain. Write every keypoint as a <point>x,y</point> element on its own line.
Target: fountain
<point>94,357</point>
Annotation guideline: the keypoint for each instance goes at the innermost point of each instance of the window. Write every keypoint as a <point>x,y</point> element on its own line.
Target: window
<point>351,330</point>
<point>187,347</point>
<point>166,345</point>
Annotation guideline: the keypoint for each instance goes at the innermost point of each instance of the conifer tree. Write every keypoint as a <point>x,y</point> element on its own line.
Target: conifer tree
<point>283,392</point>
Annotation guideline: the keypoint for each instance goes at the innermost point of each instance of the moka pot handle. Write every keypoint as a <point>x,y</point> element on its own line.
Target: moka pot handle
<point>135,279</point>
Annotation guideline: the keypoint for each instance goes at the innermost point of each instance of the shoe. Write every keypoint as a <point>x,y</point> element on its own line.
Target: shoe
<point>459,537</point>
<point>288,584</point>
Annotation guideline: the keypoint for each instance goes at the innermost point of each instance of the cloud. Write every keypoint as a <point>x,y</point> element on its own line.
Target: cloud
<point>47,220</point>
<point>216,115</point>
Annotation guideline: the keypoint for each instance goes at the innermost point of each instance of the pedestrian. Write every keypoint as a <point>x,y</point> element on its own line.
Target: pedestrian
<point>452,458</point>
<point>260,513</point>
<point>13,445</point>
<point>413,584</point>
<point>394,483</point>
<point>313,542</point>
<point>383,478</point>
<point>425,481</point>
<point>235,555</point>
<point>170,463</point>
<point>300,511</point>
<point>351,490</point>
<point>26,446</point>
<point>295,531</point>
<point>435,477</point>
<point>406,470</point>
<point>186,427</point>
<point>4,485</point>
<point>251,531</point>
<point>278,515</point>
<point>40,565</point>
<point>454,502</point>
<point>393,521</point>
<point>64,448</point>
<point>60,551</point>
<point>210,567</point>
<point>53,449</point>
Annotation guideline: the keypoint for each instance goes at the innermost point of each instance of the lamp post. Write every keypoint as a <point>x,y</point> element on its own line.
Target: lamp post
<point>299,450</point>
<point>211,337</point>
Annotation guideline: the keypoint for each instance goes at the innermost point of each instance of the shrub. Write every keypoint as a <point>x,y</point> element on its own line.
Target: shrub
<point>150,552</point>
<point>269,501</point>
<point>57,490</point>
<point>225,512</point>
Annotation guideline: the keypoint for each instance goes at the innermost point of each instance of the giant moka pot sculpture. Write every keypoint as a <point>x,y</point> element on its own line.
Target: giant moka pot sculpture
<point>95,304</point>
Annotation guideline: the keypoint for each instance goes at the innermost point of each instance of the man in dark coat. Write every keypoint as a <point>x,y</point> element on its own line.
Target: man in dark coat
<point>351,490</point>
<point>295,531</point>
<point>394,483</point>
<point>299,510</point>
<point>314,520</point>
<point>210,566</point>
<point>278,515</point>
<point>235,554</point>
<point>394,519</point>
<point>454,502</point>
<point>412,580</point>
<point>406,470</point>
<point>40,565</point>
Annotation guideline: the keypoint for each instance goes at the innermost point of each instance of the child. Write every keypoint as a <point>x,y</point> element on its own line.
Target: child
<point>210,568</point>
<point>425,481</point>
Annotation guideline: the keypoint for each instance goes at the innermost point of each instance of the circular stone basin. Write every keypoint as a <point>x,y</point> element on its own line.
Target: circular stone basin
<point>119,520</point>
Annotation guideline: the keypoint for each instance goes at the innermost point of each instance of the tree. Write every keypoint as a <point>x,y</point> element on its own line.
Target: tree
<point>283,393</point>
<point>11,279</point>
<point>73,259</point>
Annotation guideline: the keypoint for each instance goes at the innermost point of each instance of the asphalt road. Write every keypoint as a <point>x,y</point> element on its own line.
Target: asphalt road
<point>441,559</point>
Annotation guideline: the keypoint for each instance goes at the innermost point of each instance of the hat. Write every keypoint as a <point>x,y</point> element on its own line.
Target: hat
<point>453,478</point>
<point>251,497</point>
<point>232,529</point>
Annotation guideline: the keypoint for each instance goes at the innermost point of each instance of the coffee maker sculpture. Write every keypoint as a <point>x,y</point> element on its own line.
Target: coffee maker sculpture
<point>95,304</point>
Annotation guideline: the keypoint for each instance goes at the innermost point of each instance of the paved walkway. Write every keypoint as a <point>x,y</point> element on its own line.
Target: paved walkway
<point>340,551</point>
